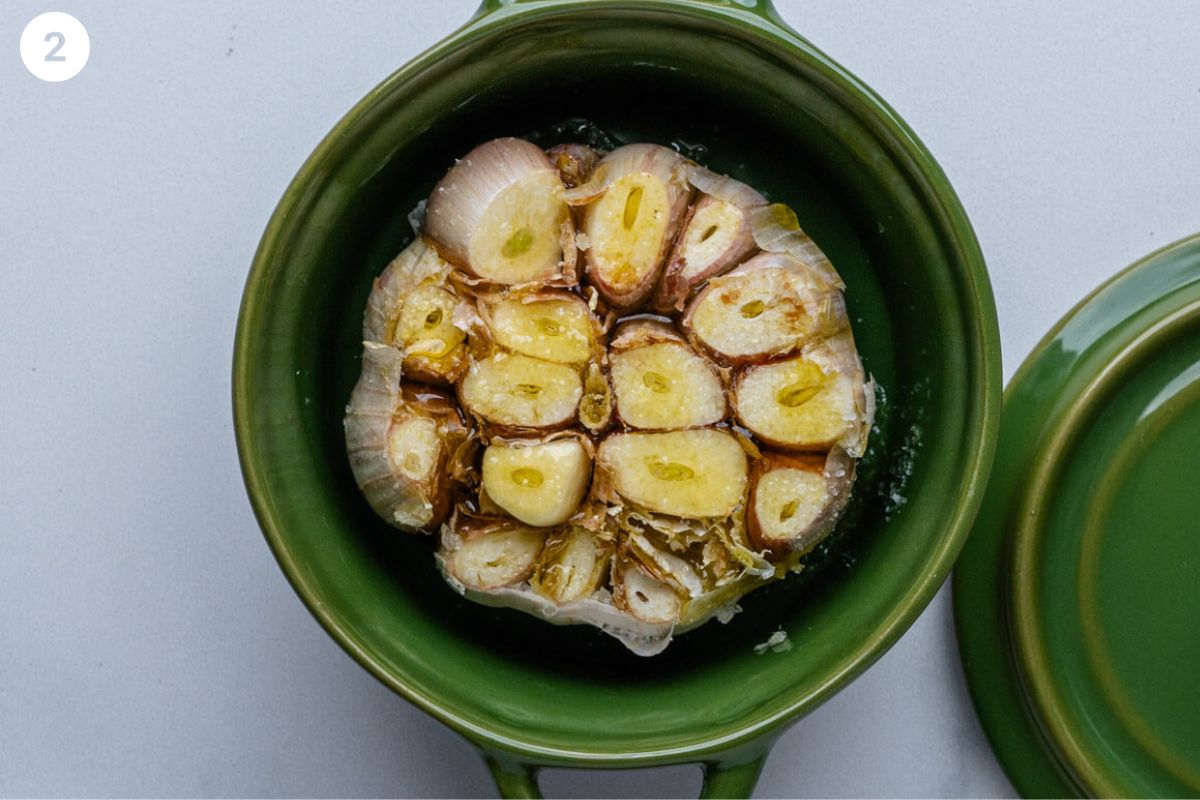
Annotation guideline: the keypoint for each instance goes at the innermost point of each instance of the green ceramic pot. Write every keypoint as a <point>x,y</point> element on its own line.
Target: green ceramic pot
<point>728,80</point>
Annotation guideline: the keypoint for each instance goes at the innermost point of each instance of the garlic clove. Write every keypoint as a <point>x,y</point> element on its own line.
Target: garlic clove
<point>574,162</point>
<point>795,500</point>
<point>808,403</point>
<point>596,405</point>
<point>660,383</point>
<point>768,307</point>
<point>490,554</point>
<point>412,307</point>
<point>540,483</point>
<point>515,391</point>
<point>501,214</point>
<point>648,599</point>
<point>698,473</point>
<point>573,565</point>
<point>554,326</point>
<point>400,442</point>
<point>715,236</point>
<point>632,224</point>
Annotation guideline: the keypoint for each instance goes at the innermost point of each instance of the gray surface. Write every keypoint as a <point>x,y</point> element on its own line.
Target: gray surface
<point>148,643</point>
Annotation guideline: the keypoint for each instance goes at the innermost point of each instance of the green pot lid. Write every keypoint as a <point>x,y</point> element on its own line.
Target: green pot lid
<point>1077,598</point>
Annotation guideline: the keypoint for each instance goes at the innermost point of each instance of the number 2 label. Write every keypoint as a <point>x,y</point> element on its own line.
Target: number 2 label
<point>53,54</point>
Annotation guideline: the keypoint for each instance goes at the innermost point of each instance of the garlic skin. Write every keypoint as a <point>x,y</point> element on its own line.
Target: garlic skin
<point>640,638</point>
<point>776,230</point>
<point>414,308</point>
<point>637,199</point>
<point>500,213</point>
<point>665,566</point>
<point>400,443</point>
<point>716,236</point>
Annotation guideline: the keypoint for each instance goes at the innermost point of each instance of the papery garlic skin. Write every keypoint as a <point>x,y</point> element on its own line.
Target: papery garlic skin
<point>665,566</point>
<point>639,637</point>
<point>500,213</point>
<point>777,230</point>
<point>631,225</point>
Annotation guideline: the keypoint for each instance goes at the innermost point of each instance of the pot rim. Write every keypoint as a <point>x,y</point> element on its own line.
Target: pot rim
<point>762,26</point>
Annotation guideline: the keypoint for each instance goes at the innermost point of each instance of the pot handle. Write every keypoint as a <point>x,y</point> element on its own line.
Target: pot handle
<point>722,777</point>
<point>765,9</point>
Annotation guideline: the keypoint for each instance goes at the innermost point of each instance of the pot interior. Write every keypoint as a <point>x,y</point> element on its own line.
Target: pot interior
<point>742,103</point>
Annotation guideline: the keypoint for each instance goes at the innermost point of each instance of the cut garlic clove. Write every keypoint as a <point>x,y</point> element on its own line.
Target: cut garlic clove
<point>631,226</point>
<point>500,213</point>
<point>412,308</point>
<point>399,443</point>
<point>551,325</point>
<point>795,500</point>
<point>699,473</point>
<point>641,330</point>
<point>516,391</point>
<point>640,594</point>
<point>596,405</point>
<point>665,566</point>
<point>490,555</point>
<point>811,402</point>
<point>540,484</point>
<point>715,237</point>
<point>573,565</point>
<point>768,307</point>
<point>660,383</point>
<point>574,162</point>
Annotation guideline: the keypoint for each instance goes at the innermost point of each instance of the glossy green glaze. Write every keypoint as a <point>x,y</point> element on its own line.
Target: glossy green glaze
<point>748,97</point>
<point>1076,597</point>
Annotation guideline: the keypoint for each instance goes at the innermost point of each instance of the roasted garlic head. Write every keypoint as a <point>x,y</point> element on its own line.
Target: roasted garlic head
<point>621,389</point>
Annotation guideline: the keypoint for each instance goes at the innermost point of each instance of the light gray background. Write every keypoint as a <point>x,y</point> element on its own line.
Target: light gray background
<point>148,643</point>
